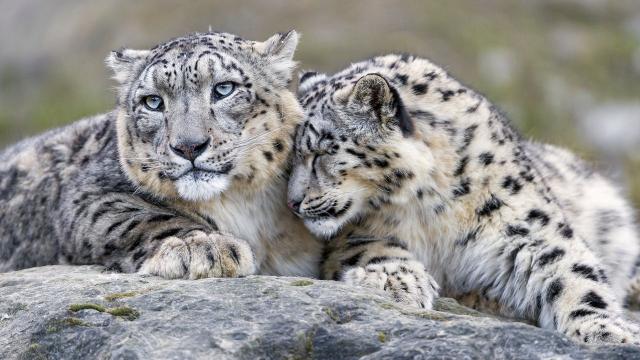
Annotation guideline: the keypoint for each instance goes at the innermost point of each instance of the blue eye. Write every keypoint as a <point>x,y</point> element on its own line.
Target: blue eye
<point>223,89</point>
<point>153,102</point>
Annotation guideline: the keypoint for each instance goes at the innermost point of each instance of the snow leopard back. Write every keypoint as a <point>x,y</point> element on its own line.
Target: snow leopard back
<point>595,206</point>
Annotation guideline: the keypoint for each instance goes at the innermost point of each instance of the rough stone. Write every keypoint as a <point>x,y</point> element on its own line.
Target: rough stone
<point>65,312</point>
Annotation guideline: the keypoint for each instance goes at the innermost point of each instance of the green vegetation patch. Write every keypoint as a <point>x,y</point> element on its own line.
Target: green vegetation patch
<point>387,306</point>
<point>382,336</point>
<point>122,295</point>
<point>302,282</point>
<point>303,349</point>
<point>78,307</point>
<point>338,317</point>
<point>306,339</point>
<point>124,312</point>
<point>332,314</point>
<point>58,324</point>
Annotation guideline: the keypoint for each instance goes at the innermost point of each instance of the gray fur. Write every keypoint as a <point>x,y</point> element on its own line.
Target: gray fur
<point>112,190</point>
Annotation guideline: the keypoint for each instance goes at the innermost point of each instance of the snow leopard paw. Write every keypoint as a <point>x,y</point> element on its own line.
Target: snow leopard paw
<point>201,255</point>
<point>406,281</point>
<point>606,331</point>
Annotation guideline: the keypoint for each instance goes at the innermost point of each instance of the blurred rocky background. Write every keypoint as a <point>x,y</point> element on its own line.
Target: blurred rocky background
<point>566,71</point>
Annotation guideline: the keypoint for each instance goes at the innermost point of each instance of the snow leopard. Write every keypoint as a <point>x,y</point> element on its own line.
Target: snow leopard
<point>185,178</point>
<point>421,187</point>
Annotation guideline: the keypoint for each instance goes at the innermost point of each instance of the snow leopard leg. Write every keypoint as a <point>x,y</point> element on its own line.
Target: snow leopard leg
<point>565,287</point>
<point>384,264</point>
<point>126,233</point>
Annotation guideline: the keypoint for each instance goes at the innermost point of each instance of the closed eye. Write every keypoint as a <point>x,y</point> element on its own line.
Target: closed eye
<point>314,173</point>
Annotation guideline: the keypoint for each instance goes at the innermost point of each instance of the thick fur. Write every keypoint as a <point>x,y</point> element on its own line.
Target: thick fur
<point>110,190</point>
<point>396,149</point>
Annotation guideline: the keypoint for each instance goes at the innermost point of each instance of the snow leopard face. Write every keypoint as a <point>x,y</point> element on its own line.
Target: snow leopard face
<point>204,113</point>
<point>350,151</point>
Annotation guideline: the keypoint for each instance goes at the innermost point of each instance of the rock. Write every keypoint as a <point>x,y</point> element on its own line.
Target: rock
<point>66,312</point>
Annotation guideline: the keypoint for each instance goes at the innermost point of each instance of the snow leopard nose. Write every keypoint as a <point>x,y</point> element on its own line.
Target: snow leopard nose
<point>190,150</point>
<point>294,206</point>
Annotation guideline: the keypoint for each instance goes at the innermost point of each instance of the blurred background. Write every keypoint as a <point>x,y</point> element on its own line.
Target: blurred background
<point>566,71</point>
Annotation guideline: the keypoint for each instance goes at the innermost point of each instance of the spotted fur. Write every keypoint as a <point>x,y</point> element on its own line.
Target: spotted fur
<point>195,189</point>
<point>395,148</point>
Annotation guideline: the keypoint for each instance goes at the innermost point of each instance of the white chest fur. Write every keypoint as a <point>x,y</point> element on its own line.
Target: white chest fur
<point>281,243</point>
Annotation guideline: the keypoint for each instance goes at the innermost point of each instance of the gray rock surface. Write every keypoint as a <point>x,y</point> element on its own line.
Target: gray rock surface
<point>64,312</point>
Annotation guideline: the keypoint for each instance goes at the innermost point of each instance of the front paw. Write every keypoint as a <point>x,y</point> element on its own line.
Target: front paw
<point>406,281</point>
<point>199,256</point>
<point>606,331</point>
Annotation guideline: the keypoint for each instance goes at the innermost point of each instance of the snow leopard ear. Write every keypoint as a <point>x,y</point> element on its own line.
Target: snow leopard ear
<point>125,63</point>
<point>279,50</point>
<point>374,96</point>
<point>307,79</point>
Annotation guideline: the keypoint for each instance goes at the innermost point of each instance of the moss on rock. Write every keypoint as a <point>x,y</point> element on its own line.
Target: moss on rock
<point>121,295</point>
<point>303,282</point>
<point>124,312</point>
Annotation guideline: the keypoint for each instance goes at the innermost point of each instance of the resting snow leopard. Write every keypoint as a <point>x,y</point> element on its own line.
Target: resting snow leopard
<point>184,179</point>
<point>396,149</point>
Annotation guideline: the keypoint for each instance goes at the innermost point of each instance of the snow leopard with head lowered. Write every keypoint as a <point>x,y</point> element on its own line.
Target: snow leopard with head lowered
<point>184,179</point>
<point>421,184</point>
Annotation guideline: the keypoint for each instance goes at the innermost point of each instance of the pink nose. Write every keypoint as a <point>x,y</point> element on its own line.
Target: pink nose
<point>294,205</point>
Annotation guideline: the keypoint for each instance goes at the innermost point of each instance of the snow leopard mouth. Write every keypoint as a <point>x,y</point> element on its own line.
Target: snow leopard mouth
<point>199,173</point>
<point>201,185</point>
<point>328,222</point>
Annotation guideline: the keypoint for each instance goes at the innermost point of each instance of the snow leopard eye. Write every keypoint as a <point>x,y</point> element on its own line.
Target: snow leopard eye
<point>153,103</point>
<point>223,89</point>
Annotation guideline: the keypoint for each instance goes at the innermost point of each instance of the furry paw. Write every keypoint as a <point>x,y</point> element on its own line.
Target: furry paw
<point>406,281</point>
<point>607,331</point>
<point>199,256</point>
